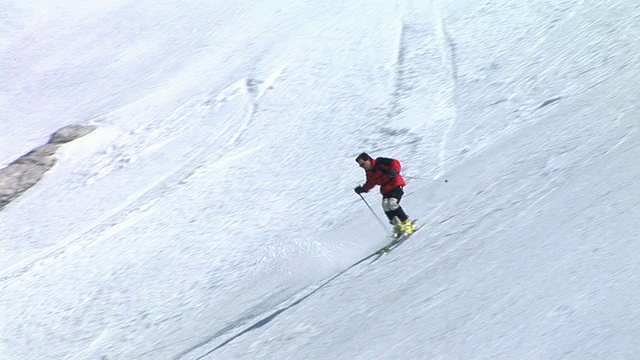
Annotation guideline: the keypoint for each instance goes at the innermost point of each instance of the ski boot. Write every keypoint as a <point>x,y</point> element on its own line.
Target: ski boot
<point>397,231</point>
<point>408,227</point>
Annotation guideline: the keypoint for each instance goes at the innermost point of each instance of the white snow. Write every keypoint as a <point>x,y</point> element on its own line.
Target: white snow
<point>211,214</point>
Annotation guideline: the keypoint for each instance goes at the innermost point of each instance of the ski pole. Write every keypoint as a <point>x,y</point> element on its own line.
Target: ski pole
<point>417,178</point>
<point>373,212</point>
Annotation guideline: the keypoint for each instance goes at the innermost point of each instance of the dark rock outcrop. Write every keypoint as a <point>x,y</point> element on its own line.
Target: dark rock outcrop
<point>28,169</point>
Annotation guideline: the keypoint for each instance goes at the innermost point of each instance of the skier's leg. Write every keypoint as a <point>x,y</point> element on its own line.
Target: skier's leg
<point>391,204</point>
<point>391,215</point>
<point>390,207</point>
<point>393,210</point>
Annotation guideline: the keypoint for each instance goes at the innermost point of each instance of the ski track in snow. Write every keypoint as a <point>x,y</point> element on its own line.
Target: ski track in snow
<point>447,106</point>
<point>255,319</point>
<point>466,226</point>
<point>402,88</point>
<point>425,67</point>
<point>136,206</point>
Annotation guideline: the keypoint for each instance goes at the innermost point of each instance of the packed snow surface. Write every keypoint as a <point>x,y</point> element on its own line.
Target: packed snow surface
<point>211,213</point>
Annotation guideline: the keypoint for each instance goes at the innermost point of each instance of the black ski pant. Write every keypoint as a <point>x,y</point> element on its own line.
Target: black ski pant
<point>391,205</point>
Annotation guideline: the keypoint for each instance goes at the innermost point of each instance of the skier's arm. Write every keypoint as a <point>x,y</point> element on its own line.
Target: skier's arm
<point>369,184</point>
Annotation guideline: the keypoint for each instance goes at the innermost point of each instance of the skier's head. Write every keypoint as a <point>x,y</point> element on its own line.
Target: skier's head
<point>364,161</point>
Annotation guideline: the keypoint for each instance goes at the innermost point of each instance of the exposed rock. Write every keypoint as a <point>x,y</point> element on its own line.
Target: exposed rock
<point>70,133</point>
<point>28,169</point>
<point>39,156</point>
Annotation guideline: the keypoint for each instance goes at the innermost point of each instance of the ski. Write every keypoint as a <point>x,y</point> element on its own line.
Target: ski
<point>396,242</point>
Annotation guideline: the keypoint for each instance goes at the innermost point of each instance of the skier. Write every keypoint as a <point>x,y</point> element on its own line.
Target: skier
<point>386,173</point>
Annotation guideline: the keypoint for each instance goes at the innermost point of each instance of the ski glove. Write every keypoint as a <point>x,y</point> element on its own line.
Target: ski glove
<point>359,190</point>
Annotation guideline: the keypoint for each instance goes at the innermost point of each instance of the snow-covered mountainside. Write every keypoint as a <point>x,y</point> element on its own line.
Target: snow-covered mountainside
<point>210,212</point>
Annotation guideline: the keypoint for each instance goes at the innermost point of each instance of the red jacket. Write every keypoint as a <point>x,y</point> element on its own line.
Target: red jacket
<point>379,175</point>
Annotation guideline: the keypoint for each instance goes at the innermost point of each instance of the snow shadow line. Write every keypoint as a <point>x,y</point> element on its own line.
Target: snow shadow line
<point>264,321</point>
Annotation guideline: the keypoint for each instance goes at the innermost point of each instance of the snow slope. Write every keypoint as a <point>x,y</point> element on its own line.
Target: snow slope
<point>211,214</point>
